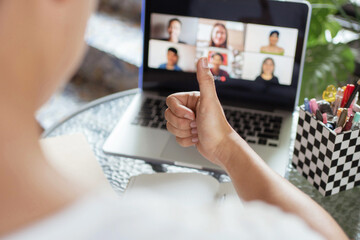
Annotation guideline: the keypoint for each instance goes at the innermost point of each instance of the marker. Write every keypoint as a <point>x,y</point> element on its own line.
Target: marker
<point>339,111</point>
<point>324,116</point>
<point>313,105</point>
<point>348,92</point>
<point>339,97</point>
<point>342,118</point>
<point>348,125</point>
<point>353,94</point>
<point>307,105</point>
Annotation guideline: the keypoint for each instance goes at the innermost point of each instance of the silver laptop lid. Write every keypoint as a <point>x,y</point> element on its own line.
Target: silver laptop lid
<point>255,48</point>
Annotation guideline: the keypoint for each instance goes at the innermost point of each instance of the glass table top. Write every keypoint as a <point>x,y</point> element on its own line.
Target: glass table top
<point>96,121</point>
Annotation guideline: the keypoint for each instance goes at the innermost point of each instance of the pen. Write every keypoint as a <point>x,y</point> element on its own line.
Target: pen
<point>348,92</point>
<point>342,118</point>
<point>348,125</point>
<point>313,105</point>
<point>339,97</point>
<point>339,111</point>
<point>353,94</point>
<point>324,116</point>
<point>307,105</point>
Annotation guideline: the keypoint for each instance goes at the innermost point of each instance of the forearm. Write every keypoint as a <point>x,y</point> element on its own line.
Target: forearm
<point>254,180</point>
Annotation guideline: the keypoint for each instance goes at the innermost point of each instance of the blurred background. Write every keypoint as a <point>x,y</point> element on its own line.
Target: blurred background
<point>115,52</point>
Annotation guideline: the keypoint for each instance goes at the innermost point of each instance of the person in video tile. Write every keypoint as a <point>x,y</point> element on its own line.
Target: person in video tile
<point>267,72</point>
<point>272,48</point>
<point>174,30</point>
<point>217,60</point>
<point>172,60</point>
<point>219,36</point>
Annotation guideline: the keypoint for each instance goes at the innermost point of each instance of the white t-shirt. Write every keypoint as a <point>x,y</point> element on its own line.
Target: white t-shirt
<point>106,216</point>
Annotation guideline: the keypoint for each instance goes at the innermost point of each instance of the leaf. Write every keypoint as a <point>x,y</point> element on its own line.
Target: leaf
<point>320,22</point>
<point>325,65</point>
<point>333,26</point>
<point>341,2</point>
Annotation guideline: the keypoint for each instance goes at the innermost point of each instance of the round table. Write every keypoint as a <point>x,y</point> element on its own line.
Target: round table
<point>97,119</point>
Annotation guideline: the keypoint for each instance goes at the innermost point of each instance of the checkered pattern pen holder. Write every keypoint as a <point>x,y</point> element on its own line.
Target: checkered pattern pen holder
<point>329,161</point>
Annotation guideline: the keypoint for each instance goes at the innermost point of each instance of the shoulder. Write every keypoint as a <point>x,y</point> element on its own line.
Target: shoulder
<point>224,73</point>
<point>281,51</point>
<point>263,48</point>
<point>162,66</point>
<point>275,80</point>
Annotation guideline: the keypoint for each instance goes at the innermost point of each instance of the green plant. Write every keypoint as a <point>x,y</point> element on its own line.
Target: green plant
<point>326,62</point>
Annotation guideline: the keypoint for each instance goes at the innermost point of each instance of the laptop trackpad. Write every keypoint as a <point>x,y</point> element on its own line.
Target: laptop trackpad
<point>185,156</point>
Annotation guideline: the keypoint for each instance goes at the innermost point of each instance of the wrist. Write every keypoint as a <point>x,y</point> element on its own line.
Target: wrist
<point>227,148</point>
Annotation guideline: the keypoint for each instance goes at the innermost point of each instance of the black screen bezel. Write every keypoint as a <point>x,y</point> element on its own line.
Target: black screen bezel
<point>274,13</point>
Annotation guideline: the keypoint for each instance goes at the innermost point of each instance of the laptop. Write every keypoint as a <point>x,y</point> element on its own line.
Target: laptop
<point>256,52</point>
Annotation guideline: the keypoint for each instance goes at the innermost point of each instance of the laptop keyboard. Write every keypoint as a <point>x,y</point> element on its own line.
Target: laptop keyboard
<point>253,127</point>
<point>152,114</point>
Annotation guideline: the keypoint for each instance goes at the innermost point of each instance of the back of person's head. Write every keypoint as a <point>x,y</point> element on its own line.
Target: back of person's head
<point>43,40</point>
<point>42,43</point>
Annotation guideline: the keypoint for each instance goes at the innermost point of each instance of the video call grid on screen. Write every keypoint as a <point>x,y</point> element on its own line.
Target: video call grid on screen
<point>235,50</point>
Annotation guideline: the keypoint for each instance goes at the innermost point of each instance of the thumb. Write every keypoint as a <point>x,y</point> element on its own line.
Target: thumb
<point>205,79</point>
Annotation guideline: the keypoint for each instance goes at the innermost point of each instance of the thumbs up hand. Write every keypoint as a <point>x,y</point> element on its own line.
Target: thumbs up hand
<point>197,118</point>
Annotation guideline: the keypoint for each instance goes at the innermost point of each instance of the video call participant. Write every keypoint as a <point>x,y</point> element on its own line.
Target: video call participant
<point>174,30</point>
<point>172,60</point>
<point>219,36</point>
<point>272,48</point>
<point>267,72</point>
<point>217,60</point>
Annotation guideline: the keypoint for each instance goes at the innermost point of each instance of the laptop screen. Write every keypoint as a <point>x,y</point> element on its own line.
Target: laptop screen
<point>254,48</point>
